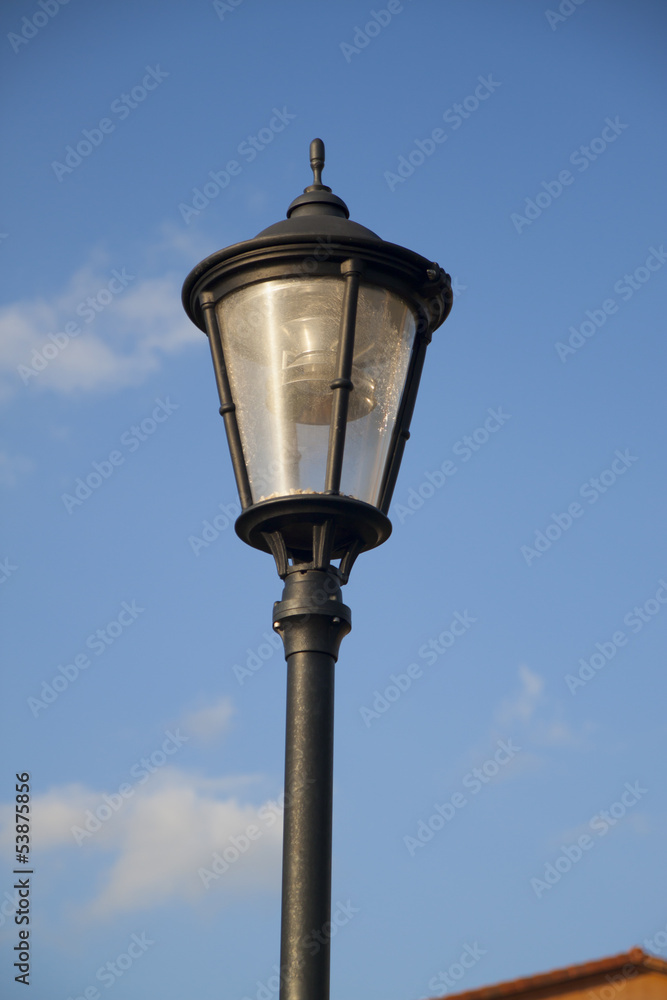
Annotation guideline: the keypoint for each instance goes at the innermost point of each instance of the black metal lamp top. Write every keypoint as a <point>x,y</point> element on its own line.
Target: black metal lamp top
<point>318,209</point>
<point>321,218</point>
<point>317,198</point>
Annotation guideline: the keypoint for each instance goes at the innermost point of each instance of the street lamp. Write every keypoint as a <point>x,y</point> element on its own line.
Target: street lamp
<point>318,331</point>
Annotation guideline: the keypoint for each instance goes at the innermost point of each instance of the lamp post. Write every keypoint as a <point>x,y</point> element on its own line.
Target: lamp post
<point>318,330</point>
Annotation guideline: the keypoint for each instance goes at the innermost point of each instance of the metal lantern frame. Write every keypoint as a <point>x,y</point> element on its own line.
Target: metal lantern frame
<point>305,532</point>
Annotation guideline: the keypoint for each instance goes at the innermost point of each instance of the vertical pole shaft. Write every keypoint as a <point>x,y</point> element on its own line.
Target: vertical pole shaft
<point>306,903</point>
<point>312,621</point>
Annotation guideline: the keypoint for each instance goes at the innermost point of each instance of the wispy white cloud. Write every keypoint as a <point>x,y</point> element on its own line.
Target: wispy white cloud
<point>159,838</point>
<point>176,830</point>
<point>211,722</point>
<point>132,323</point>
<point>537,717</point>
<point>521,706</point>
<point>530,721</point>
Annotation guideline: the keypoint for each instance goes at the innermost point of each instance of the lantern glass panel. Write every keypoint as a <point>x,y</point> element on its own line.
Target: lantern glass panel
<point>280,340</point>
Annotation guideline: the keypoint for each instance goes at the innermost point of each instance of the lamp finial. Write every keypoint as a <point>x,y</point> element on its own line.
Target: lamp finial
<point>317,161</point>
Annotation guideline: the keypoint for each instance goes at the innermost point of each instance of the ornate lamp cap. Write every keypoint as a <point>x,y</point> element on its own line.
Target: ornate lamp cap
<point>318,209</point>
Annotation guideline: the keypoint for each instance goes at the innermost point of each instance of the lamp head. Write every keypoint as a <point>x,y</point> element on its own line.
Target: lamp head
<point>318,330</point>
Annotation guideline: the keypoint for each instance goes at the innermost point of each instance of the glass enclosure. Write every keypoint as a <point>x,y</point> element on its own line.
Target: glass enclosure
<point>280,341</point>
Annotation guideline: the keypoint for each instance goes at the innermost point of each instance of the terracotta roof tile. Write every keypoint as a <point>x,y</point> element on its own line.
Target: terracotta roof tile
<point>561,977</point>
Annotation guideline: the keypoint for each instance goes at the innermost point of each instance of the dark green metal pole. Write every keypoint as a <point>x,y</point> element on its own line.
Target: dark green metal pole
<point>312,621</point>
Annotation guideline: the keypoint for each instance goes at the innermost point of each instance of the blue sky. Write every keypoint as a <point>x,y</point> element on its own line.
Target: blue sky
<point>522,147</point>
